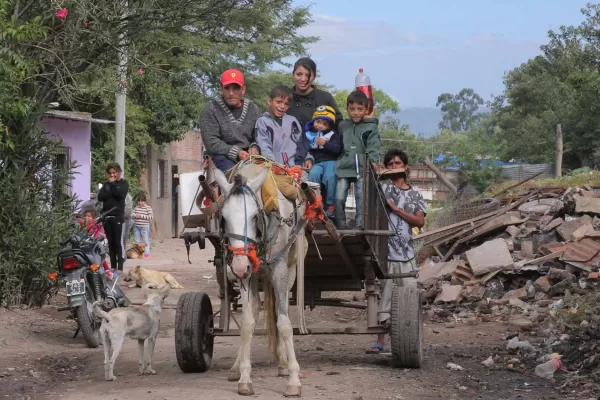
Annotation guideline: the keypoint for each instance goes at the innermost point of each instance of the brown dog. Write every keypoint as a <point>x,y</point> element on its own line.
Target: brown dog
<point>148,278</point>
<point>136,251</point>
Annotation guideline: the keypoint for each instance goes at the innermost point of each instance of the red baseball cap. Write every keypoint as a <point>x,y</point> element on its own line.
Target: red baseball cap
<point>232,76</point>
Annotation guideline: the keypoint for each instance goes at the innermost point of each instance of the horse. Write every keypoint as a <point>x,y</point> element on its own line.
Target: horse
<point>242,216</point>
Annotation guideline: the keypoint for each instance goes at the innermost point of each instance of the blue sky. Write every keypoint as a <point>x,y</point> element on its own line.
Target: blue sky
<point>416,50</point>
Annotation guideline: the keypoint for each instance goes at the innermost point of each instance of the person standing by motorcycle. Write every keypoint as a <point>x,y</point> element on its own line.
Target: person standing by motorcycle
<point>112,195</point>
<point>95,230</point>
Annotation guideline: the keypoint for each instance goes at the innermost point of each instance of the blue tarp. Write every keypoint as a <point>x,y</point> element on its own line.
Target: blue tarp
<point>451,162</point>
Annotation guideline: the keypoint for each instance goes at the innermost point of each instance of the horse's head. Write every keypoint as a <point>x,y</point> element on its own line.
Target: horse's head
<point>240,212</point>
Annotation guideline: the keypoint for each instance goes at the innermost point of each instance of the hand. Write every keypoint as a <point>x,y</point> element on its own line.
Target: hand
<point>391,205</point>
<point>376,166</point>
<point>242,155</point>
<point>321,141</point>
<point>372,115</point>
<point>253,151</point>
<point>111,179</point>
<point>308,165</point>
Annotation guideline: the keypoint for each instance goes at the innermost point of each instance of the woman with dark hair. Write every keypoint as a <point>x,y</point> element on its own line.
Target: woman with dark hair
<point>307,97</point>
<point>112,195</point>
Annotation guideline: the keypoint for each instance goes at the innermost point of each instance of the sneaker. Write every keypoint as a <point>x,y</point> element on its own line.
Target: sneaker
<point>330,212</point>
<point>146,255</point>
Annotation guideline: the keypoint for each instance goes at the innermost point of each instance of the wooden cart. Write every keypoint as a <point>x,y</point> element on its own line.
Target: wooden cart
<point>353,261</point>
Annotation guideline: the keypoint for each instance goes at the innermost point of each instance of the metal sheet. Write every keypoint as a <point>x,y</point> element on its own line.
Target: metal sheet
<point>584,251</point>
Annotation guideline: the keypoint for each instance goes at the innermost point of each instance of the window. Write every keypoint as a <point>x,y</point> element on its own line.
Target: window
<point>61,179</point>
<point>163,179</point>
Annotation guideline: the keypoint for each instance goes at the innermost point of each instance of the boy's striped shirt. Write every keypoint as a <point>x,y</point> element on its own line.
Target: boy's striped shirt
<point>143,215</point>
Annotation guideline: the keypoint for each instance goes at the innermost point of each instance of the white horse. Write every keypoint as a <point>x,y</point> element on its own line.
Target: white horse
<point>241,212</point>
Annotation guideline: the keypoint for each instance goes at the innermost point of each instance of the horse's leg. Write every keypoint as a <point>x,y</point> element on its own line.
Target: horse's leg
<point>247,330</point>
<point>284,327</point>
<point>234,372</point>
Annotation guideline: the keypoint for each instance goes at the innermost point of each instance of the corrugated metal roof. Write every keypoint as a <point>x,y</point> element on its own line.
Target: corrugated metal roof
<point>524,171</point>
<point>77,116</point>
<point>587,250</point>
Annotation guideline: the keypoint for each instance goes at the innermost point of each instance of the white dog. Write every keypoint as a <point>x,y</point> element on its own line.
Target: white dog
<point>137,322</point>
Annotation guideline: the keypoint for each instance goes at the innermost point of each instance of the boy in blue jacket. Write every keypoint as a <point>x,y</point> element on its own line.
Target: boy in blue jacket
<point>278,134</point>
<point>325,147</point>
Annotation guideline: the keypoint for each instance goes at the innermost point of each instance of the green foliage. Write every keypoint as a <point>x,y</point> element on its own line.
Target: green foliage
<point>459,111</point>
<point>383,103</point>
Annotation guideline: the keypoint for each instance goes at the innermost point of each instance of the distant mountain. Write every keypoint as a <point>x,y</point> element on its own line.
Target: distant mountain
<point>422,120</point>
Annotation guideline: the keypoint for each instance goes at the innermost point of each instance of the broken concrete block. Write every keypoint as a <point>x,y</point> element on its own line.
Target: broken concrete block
<point>594,276</point>
<point>521,323</point>
<point>555,223</point>
<point>518,303</point>
<point>587,205</point>
<point>436,272</point>
<point>491,256</point>
<point>542,284</point>
<point>566,229</point>
<point>513,230</point>
<point>527,249</point>
<point>473,293</point>
<point>581,232</point>
<point>556,274</point>
<point>520,294</point>
<point>449,294</point>
<point>545,220</point>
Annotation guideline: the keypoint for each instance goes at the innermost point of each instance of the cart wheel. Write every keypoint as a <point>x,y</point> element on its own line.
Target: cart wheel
<point>193,342</point>
<point>406,330</point>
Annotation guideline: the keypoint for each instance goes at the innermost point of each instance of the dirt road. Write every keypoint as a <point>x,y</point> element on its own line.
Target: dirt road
<point>40,360</point>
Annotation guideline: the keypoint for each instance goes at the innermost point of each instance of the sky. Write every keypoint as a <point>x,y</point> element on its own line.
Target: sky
<point>416,50</point>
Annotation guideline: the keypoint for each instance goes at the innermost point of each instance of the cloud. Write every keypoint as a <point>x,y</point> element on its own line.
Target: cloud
<point>342,36</point>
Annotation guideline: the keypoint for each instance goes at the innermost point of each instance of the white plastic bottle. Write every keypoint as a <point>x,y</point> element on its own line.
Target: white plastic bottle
<point>363,84</point>
<point>547,369</point>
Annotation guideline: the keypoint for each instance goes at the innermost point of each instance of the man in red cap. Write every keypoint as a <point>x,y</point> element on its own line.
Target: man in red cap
<point>227,123</point>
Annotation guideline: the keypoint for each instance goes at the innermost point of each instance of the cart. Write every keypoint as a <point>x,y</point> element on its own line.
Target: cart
<point>343,260</point>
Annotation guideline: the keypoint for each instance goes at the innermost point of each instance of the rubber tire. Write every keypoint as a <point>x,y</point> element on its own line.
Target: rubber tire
<point>86,322</point>
<point>193,344</point>
<point>406,331</point>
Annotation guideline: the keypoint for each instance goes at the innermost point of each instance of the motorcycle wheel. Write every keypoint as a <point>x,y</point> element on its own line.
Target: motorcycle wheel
<point>88,323</point>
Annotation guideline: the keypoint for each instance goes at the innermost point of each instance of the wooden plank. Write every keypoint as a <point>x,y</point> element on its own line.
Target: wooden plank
<point>518,184</point>
<point>349,330</point>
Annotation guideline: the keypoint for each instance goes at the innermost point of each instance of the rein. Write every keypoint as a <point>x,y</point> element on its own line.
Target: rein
<point>248,250</point>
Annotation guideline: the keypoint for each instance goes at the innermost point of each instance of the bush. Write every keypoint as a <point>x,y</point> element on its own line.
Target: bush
<point>34,215</point>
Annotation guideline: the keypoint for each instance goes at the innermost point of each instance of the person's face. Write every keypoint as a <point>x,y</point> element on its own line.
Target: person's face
<point>113,174</point>
<point>141,203</point>
<point>303,78</point>
<point>356,112</point>
<point>278,106</point>
<point>395,163</point>
<point>89,217</point>
<point>233,94</point>
<point>321,125</point>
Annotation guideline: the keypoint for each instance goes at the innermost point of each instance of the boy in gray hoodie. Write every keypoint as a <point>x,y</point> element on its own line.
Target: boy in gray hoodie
<point>278,134</point>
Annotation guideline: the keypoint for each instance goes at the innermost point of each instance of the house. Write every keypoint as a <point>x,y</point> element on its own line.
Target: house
<point>75,131</point>
<point>161,180</point>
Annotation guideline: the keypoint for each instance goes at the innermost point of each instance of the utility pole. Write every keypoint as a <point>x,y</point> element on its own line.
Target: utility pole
<point>121,96</point>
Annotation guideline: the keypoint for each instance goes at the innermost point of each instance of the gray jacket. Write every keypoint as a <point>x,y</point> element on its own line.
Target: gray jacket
<point>275,141</point>
<point>222,133</point>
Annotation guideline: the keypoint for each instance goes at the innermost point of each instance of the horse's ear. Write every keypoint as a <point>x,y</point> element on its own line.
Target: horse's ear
<point>222,182</point>
<point>257,182</point>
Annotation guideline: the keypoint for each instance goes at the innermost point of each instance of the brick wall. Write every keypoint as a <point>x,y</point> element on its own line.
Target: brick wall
<point>188,149</point>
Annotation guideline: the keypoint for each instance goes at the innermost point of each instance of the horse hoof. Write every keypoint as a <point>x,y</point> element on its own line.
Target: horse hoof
<point>245,389</point>
<point>293,391</point>
<point>283,372</point>
<point>234,375</point>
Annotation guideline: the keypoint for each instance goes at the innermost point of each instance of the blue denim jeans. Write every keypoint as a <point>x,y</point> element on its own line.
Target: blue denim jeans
<point>324,173</point>
<point>142,234</point>
<point>222,162</point>
<point>343,184</point>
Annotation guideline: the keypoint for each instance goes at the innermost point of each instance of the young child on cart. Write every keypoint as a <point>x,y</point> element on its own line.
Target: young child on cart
<point>407,210</point>
<point>97,232</point>
<point>360,137</point>
<point>325,147</point>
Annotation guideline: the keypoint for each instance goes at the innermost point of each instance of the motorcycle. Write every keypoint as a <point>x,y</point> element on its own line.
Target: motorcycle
<point>80,268</point>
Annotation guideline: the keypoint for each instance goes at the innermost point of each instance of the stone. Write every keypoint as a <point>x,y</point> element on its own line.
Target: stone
<point>489,362</point>
<point>513,230</point>
<point>587,205</point>
<point>473,293</point>
<point>491,256</point>
<point>593,276</point>
<point>449,294</point>
<point>542,284</point>
<point>436,272</point>
<point>581,232</point>
<point>545,220</point>
<point>556,274</point>
<point>555,223</point>
<point>566,229</point>
<point>527,249</point>
<point>520,294</point>
<point>521,323</point>
<point>539,296</point>
<point>518,303</point>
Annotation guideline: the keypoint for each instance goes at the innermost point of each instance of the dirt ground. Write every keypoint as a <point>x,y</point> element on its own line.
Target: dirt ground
<point>40,359</point>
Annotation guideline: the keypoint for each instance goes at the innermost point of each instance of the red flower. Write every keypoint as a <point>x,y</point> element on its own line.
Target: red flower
<point>85,24</point>
<point>140,72</point>
<point>62,14</point>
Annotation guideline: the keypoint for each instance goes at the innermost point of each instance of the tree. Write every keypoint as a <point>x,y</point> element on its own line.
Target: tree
<point>459,111</point>
<point>384,104</point>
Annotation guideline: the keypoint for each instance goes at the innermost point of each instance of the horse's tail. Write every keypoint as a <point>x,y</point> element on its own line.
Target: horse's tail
<point>270,318</point>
